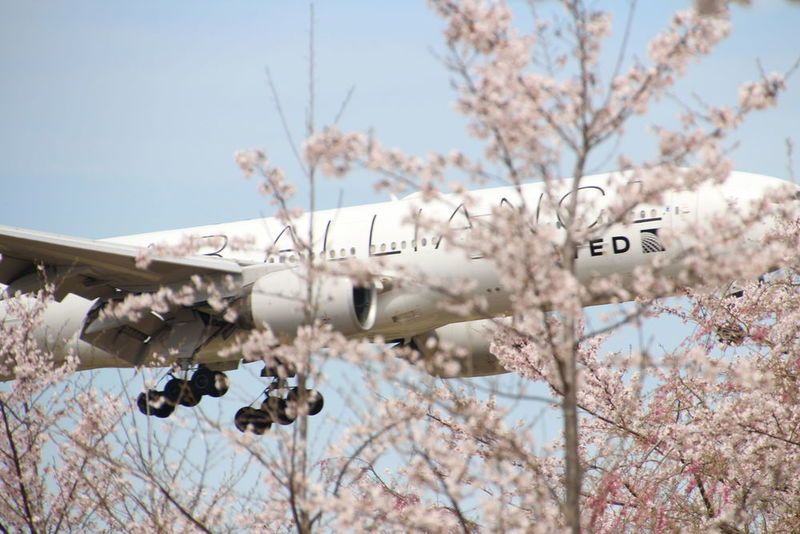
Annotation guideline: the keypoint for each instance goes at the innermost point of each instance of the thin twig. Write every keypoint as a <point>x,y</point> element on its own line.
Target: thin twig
<point>284,123</point>
<point>345,102</point>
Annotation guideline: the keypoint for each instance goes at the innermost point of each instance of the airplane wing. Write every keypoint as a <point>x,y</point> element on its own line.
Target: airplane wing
<point>107,272</point>
<point>91,268</point>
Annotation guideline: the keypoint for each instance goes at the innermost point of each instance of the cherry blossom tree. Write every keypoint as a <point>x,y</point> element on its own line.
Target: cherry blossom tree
<point>702,437</point>
<point>75,458</point>
<point>539,100</point>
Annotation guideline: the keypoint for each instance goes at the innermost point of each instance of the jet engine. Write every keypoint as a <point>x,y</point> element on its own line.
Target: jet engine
<point>473,337</point>
<point>279,300</point>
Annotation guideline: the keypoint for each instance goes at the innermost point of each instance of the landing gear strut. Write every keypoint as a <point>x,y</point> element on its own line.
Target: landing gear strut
<point>189,393</point>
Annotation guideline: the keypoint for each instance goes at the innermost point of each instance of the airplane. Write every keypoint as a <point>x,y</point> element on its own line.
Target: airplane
<point>264,281</point>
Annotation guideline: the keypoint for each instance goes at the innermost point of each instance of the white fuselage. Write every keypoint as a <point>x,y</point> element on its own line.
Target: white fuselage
<point>385,232</point>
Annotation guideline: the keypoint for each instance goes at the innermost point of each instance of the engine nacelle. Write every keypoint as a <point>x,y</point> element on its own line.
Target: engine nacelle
<point>472,336</point>
<point>278,299</point>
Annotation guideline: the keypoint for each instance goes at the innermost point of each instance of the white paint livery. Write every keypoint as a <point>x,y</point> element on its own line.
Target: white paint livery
<point>264,277</point>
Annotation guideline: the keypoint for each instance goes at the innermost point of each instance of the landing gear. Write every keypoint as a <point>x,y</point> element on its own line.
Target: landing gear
<point>249,419</point>
<point>314,399</point>
<point>281,405</point>
<point>277,409</point>
<point>182,392</point>
<point>154,403</point>
<point>731,333</point>
<point>211,383</point>
<point>188,393</point>
<point>279,369</point>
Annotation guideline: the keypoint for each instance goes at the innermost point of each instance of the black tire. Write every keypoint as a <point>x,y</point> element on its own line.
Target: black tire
<point>154,403</point>
<point>164,411</point>
<point>249,419</point>
<point>203,380</point>
<point>276,409</point>
<point>220,384</point>
<point>192,396</point>
<point>314,399</point>
<point>173,390</point>
<point>141,403</point>
<point>182,392</point>
<point>316,402</point>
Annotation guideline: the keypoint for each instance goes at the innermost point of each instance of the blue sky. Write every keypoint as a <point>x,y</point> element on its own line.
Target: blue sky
<point>123,118</point>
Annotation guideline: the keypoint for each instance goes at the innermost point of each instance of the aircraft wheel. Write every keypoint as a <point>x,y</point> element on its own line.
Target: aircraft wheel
<point>276,408</point>
<point>203,380</point>
<point>141,403</point>
<point>249,419</point>
<point>211,383</point>
<point>173,389</point>
<point>314,398</point>
<point>316,402</point>
<point>164,411</point>
<point>154,403</point>
<point>219,384</point>
<point>183,392</point>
